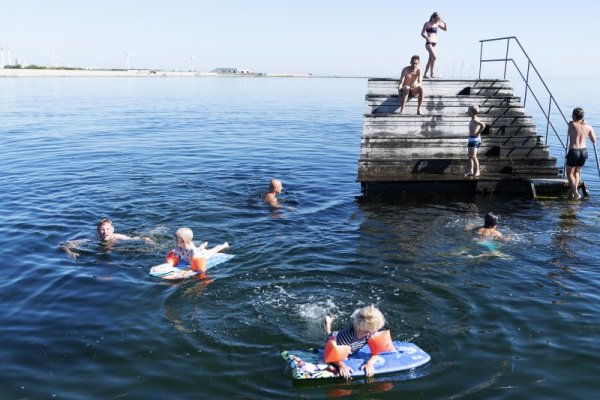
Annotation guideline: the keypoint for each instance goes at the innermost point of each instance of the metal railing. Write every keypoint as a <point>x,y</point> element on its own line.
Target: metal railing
<point>528,88</point>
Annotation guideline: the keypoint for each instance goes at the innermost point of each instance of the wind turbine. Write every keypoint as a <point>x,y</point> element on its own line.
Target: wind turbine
<point>127,57</point>
<point>192,62</point>
<point>53,57</point>
<point>1,57</point>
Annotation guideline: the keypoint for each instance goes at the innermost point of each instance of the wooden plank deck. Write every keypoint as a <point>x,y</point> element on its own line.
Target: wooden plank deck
<point>428,152</point>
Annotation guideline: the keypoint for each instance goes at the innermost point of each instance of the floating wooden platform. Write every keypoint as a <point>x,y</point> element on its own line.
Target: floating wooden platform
<point>417,153</point>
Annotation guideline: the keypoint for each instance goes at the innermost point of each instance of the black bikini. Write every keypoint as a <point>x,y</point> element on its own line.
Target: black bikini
<point>430,30</point>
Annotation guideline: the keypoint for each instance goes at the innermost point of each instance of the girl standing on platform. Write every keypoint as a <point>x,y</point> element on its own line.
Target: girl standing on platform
<point>429,32</point>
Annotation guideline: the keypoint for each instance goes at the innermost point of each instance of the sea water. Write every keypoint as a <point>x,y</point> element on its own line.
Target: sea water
<point>158,154</point>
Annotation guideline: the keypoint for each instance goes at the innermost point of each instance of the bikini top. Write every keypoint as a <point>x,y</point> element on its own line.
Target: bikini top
<point>431,29</point>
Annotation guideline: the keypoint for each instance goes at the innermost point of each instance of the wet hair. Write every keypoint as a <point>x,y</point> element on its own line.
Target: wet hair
<point>274,183</point>
<point>104,221</point>
<point>185,233</point>
<point>415,57</point>
<point>578,114</point>
<point>368,319</point>
<point>433,16</point>
<point>490,220</point>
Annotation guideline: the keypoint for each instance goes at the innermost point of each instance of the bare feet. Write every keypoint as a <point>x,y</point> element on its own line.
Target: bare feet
<point>419,112</point>
<point>477,175</point>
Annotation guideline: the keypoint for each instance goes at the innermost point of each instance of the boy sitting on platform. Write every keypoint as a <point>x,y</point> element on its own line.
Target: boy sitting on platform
<point>410,84</point>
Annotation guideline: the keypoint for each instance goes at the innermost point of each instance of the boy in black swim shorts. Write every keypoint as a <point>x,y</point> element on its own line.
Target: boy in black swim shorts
<point>577,154</point>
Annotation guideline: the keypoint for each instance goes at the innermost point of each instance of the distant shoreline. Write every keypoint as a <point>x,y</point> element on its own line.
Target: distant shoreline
<point>83,73</point>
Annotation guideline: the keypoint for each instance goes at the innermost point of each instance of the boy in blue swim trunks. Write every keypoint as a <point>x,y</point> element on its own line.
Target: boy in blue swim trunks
<point>475,129</point>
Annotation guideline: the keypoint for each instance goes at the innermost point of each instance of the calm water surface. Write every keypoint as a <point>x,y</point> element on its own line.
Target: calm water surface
<point>158,154</point>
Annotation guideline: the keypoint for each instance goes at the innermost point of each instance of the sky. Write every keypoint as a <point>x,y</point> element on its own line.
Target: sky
<point>321,37</point>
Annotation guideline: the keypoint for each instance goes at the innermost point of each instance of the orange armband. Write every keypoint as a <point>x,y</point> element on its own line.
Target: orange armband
<point>381,342</point>
<point>198,264</point>
<point>172,258</point>
<point>335,353</point>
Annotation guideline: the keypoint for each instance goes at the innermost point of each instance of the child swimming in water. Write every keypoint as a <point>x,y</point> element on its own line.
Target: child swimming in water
<point>185,248</point>
<point>270,197</point>
<point>107,235</point>
<point>366,322</point>
<point>489,227</point>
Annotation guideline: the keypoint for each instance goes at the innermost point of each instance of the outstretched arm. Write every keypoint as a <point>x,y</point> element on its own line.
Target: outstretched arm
<point>69,245</point>
<point>120,236</point>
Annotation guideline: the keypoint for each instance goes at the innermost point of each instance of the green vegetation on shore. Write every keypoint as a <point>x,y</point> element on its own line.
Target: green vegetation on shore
<point>33,66</point>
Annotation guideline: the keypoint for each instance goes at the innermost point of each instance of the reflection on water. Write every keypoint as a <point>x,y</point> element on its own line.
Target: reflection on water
<point>510,319</point>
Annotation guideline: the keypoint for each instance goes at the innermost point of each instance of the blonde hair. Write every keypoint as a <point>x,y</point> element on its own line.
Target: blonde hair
<point>274,184</point>
<point>368,319</point>
<point>473,110</point>
<point>185,233</point>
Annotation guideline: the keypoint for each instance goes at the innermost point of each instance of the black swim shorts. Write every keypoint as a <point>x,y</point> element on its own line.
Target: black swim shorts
<point>576,157</point>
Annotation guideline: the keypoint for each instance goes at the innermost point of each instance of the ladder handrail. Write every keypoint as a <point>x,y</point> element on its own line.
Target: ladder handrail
<point>530,64</point>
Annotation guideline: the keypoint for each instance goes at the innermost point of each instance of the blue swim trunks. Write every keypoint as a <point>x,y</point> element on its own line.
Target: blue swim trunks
<point>474,141</point>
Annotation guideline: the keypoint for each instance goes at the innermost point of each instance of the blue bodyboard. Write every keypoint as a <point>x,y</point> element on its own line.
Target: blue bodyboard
<point>182,271</point>
<point>310,364</point>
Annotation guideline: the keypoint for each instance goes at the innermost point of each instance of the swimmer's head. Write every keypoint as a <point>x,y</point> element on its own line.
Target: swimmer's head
<point>368,319</point>
<point>275,185</point>
<point>105,229</point>
<point>183,236</point>
<point>578,114</point>
<point>473,110</point>
<point>490,220</point>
